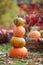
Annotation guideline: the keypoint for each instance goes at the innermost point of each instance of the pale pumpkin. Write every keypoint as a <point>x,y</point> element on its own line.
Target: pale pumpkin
<point>17,42</point>
<point>19,31</point>
<point>41,32</point>
<point>18,52</point>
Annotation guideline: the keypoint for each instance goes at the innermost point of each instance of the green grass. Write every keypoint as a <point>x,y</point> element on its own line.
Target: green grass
<point>3,48</point>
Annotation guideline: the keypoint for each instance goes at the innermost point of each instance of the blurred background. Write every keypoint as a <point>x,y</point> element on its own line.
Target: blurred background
<point>9,10</point>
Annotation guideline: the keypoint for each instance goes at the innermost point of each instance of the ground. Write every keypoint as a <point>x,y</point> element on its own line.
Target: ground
<point>6,60</point>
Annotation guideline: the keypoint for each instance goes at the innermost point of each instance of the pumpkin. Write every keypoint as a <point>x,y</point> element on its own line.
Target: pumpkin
<point>41,32</point>
<point>18,21</point>
<point>35,34</point>
<point>19,31</point>
<point>18,52</point>
<point>12,40</point>
<point>17,42</point>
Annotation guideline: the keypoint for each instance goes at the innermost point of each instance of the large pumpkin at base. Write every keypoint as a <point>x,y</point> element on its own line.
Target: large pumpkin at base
<point>19,31</point>
<point>17,42</point>
<point>18,52</point>
<point>41,32</point>
<point>35,34</point>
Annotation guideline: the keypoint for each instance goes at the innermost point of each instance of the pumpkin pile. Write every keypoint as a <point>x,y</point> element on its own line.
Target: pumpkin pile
<point>17,41</point>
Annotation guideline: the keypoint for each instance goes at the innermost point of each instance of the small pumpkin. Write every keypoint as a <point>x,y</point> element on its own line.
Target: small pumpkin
<point>18,52</point>
<point>19,31</point>
<point>35,34</point>
<point>17,42</point>
<point>41,32</point>
<point>18,21</point>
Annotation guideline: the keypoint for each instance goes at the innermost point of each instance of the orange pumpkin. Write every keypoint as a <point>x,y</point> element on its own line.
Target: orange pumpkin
<point>35,34</point>
<point>18,52</point>
<point>18,21</point>
<point>17,42</point>
<point>19,31</point>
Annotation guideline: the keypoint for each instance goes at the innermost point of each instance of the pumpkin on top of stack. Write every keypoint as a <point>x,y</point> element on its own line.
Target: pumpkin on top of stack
<point>18,21</point>
<point>17,41</point>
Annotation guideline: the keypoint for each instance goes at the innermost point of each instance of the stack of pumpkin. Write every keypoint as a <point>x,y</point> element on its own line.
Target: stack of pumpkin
<point>18,42</point>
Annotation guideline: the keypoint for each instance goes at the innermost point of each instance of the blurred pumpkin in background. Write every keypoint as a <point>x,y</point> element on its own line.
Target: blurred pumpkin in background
<point>35,34</point>
<point>41,32</point>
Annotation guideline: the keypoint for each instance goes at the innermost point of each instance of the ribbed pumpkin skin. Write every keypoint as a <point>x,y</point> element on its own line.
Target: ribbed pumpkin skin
<point>41,32</point>
<point>12,40</point>
<point>18,42</point>
<point>19,31</point>
<point>18,52</point>
<point>35,34</point>
<point>18,21</point>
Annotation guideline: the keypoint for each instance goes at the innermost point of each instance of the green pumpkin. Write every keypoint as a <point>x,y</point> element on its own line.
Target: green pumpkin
<point>18,21</point>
